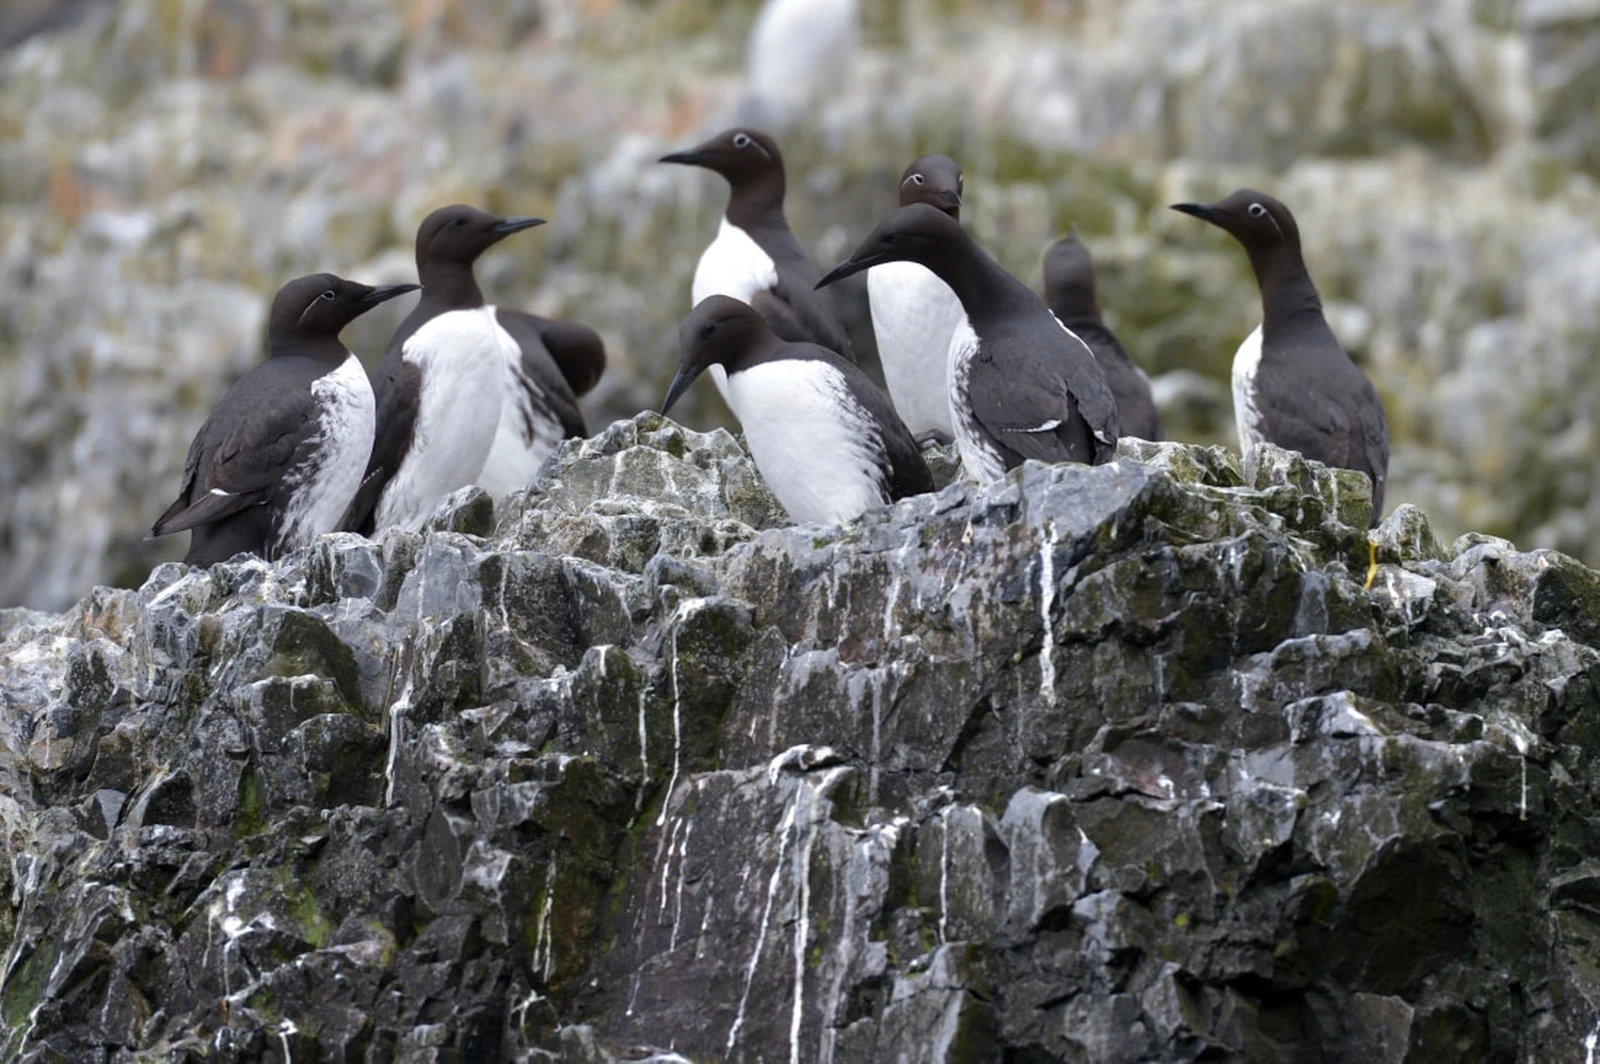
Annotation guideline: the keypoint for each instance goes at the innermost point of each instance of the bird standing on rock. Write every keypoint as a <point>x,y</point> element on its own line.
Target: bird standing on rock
<point>1293,385</point>
<point>914,314</point>
<point>1070,290</point>
<point>451,387</point>
<point>825,438</point>
<point>755,258</point>
<point>281,456</point>
<point>1022,385</point>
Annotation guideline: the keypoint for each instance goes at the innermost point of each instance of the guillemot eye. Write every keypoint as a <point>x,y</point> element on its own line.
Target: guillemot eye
<point>1257,211</point>
<point>741,140</point>
<point>326,295</point>
<point>918,179</point>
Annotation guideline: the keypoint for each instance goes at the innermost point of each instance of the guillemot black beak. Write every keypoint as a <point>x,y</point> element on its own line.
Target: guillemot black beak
<point>680,384</point>
<point>848,267</point>
<point>385,292</point>
<point>508,226</point>
<point>1199,210</point>
<point>685,158</point>
<point>951,197</point>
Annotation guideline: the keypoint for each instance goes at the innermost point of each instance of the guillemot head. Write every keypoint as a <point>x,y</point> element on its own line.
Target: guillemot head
<point>459,234</point>
<point>1069,278</point>
<point>935,180</point>
<point>716,333</point>
<point>322,304</point>
<point>746,157</point>
<point>916,233</point>
<point>1253,218</point>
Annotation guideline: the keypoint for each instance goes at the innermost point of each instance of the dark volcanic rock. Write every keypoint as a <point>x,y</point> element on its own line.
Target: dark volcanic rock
<point>1098,764</point>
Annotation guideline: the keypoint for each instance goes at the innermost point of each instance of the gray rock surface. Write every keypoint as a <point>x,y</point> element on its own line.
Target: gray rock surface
<point>1098,764</point>
<point>165,164</point>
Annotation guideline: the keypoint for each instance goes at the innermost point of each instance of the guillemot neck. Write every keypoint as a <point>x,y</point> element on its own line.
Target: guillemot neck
<point>449,286</point>
<point>981,283</point>
<point>757,204</point>
<point>1286,289</point>
<point>291,342</point>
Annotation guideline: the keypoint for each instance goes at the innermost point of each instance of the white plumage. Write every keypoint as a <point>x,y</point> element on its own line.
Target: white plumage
<point>800,54</point>
<point>346,422</point>
<point>526,436</point>
<point>463,356</point>
<point>914,316</point>
<point>981,461</point>
<point>1246,413</point>
<point>813,443</point>
<point>733,264</point>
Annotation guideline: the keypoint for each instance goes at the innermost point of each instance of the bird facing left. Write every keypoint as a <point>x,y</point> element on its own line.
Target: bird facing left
<point>281,456</point>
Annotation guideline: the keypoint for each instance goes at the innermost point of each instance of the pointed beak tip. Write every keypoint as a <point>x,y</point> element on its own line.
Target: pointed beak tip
<point>848,268</point>
<point>385,292</point>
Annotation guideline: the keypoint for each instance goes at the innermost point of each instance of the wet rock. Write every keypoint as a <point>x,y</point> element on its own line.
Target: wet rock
<point>1112,763</point>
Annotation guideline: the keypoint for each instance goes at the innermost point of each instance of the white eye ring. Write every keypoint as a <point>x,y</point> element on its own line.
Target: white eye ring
<point>326,295</point>
<point>741,140</point>
<point>918,179</point>
<point>1257,211</point>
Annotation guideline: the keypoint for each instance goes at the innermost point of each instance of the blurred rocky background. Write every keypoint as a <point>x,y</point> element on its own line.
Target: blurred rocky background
<point>165,164</point>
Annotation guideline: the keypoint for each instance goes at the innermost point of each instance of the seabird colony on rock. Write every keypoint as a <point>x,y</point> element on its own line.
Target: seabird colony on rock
<point>469,392</point>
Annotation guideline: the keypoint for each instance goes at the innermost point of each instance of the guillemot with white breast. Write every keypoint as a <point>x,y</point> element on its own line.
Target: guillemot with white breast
<point>281,456</point>
<point>1069,289</point>
<point>825,438</point>
<point>450,385</point>
<point>914,313</point>
<point>1293,384</point>
<point>755,258</point>
<point>1022,385</point>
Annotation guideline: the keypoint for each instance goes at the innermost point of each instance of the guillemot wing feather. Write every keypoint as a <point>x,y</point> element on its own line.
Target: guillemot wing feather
<point>399,399</point>
<point>792,306</point>
<point>1052,410</point>
<point>1130,386</point>
<point>579,351</point>
<point>241,453</point>
<point>539,363</point>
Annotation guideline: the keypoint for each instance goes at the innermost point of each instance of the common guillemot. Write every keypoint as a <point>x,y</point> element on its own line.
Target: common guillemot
<point>450,383</point>
<point>825,438</point>
<point>1069,289</point>
<point>914,313</point>
<point>755,258</point>
<point>1293,384</point>
<point>281,456</point>
<point>1022,385</point>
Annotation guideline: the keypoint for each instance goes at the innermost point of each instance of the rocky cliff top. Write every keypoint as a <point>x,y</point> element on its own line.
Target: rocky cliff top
<point>1096,764</point>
